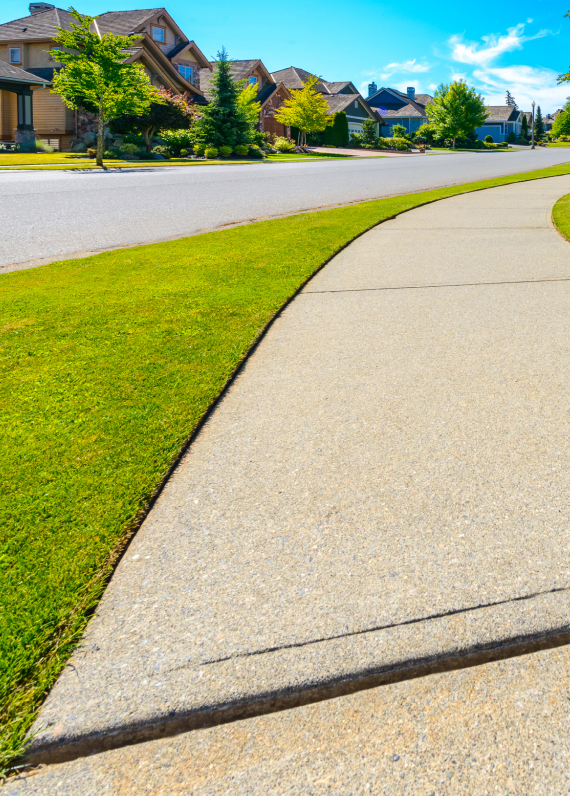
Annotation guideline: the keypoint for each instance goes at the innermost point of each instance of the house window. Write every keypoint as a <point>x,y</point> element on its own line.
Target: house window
<point>15,56</point>
<point>252,80</point>
<point>186,72</point>
<point>158,34</point>
<point>51,56</point>
<point>356,103</point>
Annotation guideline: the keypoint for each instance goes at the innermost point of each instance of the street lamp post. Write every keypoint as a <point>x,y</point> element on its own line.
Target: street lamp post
<point>532,147</point>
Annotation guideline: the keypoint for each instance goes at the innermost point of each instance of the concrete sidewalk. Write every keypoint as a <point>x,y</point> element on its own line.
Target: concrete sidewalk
<point>382,490</point>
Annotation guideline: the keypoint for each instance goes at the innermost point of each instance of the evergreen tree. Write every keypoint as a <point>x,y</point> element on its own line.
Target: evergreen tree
<point>538,124</point>
<point>456,110</point>
<point>368,134</point>
<point>524,126</point>
<point>510,100</point>
<point>224,122</point>
<point>306,109</point>
<point>337,133</point>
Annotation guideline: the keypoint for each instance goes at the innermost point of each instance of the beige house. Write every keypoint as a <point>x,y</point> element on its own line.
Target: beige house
<point>169,58</point>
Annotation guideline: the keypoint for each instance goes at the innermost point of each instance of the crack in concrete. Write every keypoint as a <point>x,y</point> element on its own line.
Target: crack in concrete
<point>426,287</point>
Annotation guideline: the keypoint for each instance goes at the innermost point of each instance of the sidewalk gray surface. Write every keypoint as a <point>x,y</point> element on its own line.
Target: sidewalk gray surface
<point>500,729</point>
<point>385,485</point>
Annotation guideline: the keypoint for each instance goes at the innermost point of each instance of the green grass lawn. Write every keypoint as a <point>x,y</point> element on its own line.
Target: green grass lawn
<point>66,160</point>
<point>561,215</point>
<point>107,365</point>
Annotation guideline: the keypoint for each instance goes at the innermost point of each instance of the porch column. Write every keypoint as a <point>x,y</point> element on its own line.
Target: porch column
<point>25,135</point>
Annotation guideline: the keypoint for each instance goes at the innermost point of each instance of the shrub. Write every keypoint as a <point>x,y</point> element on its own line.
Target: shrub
<point>382,143</point>
<point>520,140</point>
<point>355,141</point>
<point>199,149</point>
<point>283,144</point>
<point>108,154</point>
<point>183,153</point>
<point>226,151</point>
<point>43,146</point>
<point>91,153</point>
<point>211,152</point>
<point>511,138</point>
<point>165,151</point>
<point>401,144</point>
<point>337,134</point>
<point>129,149</point>
<point>489,139</point>
<point>255,152</point>
<point>241,150</point>
<point>177,139</point>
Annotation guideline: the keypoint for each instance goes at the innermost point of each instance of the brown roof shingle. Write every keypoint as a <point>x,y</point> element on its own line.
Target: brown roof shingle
<point>36,26</point>
<point>11,72</point>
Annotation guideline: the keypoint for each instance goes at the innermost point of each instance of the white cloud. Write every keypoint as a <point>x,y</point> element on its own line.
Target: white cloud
<point>404,67</point>
<point>481,55</point>
<point>526,83</point>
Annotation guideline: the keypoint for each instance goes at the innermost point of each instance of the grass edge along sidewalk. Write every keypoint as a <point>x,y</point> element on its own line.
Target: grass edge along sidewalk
<point>108,365</point>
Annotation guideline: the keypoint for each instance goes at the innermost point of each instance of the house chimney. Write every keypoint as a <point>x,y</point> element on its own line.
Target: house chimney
<point>37,8</point>
<point>411,92</point>
<point>372,89</point>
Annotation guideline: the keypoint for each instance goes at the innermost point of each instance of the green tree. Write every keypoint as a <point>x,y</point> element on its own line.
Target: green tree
<point>561,124</point>
<point>246,100</point>
<point>175,112</point>
<point>399,131</point>
<point>426,131</point>
<point>538,124</point>
<point>368,134</point>
<point>95,76</point>
<point>456,110</point>
<point>306,109</point>
<point>337,133</point>
<point>224,121</point>
<point>524,126</point>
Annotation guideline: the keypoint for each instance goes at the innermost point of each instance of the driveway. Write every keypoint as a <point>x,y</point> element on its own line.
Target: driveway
<point>382,490</point>
<point>54,214</point>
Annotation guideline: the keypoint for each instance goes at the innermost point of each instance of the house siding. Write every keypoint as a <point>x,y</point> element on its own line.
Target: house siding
<point>8,115</point>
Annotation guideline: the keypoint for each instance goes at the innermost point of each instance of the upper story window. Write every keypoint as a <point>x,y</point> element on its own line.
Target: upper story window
<point>158,34</point>
<point>252,80</point>
<point>15,55</point>
<point>51,56</point>
<point>356,103</point>
<point>187,72</point>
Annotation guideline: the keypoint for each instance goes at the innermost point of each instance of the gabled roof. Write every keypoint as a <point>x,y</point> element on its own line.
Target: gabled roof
<point>14,74</point>
<point>292,77</point>
<point>265,94</point>
<point>152,50</point>
<point>121,23</point>
<point>239,70</point>
<point>412,108</point>
<point>502,113</point>
<point>409,111</point>
<point>36,26</point>
<point>336,88</point>
<point>184,46</point>
<point>340,102</point>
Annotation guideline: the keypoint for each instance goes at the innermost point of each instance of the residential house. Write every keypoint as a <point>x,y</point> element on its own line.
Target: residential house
<point>548,120</point>
<point>501,121</point>
<point>169,58</point>
<point>270,94</point>
<point>395,107</point>
<point>340,96</point>
<point>16,87</point>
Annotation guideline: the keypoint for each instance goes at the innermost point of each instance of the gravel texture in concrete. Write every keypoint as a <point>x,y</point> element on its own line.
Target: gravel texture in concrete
<point>386,483</point>
<point>501,728</point>
<point>73,212</point>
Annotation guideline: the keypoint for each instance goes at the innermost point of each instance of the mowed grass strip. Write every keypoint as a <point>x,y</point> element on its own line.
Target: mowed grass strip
<point>107,365</point>
<point>561,215</point>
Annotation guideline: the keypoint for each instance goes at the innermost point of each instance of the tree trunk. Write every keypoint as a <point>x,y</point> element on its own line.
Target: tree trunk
<point>148,135</point>
<point>100,131</point>
<point>453,142</point>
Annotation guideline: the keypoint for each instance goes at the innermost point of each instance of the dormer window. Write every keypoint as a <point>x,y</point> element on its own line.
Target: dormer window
<point>252,80</point>
<point>158,34</point>
<point>186,72</point>
<point>15,55</point>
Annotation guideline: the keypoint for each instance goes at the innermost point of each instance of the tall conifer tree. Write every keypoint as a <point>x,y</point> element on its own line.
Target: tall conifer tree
<point>224,121</point>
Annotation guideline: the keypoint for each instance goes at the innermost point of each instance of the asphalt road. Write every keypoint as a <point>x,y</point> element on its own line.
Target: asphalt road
<point>54,213</point>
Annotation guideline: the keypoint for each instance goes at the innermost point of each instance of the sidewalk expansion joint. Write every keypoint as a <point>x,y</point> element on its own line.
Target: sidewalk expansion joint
<point>442,285</point>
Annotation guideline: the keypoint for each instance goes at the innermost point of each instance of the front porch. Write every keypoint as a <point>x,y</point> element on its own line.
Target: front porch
<point>16,105</point>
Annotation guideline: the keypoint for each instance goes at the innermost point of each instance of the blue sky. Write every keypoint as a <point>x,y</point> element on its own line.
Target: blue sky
<point>521,46</point>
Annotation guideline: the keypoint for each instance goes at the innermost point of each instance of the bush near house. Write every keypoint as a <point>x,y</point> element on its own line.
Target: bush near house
<point>176,140</point>
<point>511,138</point>
<point>368,134</point>
<point>337,134</point>
<point>282,144</point>
<point>211,152</point>
<point>489,139</point>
